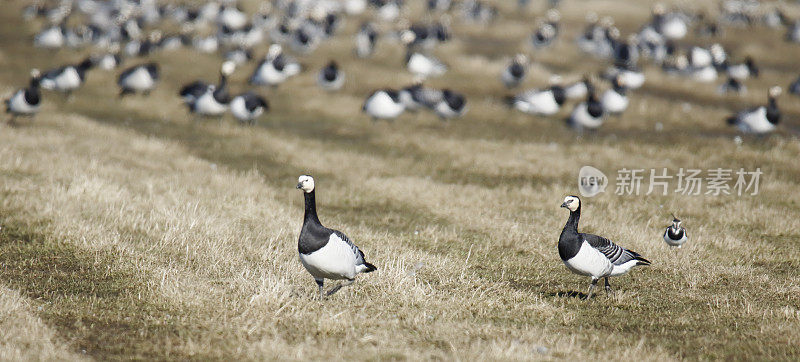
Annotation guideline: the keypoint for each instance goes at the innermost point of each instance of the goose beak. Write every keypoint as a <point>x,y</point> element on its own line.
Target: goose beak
<point>563,204</point>
<point>299,185</point>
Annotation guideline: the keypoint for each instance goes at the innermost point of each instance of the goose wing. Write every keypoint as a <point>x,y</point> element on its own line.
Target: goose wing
<point>356,251</point>
<point>615,253</point>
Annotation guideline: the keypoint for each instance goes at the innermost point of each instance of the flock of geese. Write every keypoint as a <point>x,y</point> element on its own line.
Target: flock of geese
<point>129,31</point>
<point>122,31</point>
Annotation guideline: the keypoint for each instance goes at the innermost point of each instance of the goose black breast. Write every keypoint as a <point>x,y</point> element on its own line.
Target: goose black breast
<point>393,94</point>
<point>558,94</point>
<point>279,62</point>
<point>454,100</point>
<point>251,102</point>
<point>330,72</point>
<point>594,108</point>
<point>517,70</point>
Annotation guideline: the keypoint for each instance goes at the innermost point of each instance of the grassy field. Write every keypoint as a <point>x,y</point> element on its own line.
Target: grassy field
<point>131,230</point>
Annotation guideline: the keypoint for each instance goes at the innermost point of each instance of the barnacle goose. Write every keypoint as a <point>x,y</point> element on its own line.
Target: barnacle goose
<point>675,234</point>
<point>592,255</point>
<point>109,60</point>
<point>383,104</point>
<point>327,253</point>
<point>213,101</point>
<point>138,79</point>
<point>451,105</point>
<point>331,78</point>
<point>513,75</point>
<point>761,119</point>
<point>794,88</point>
<point>50,38</point>
<point>588,114</point>
<point>248,106</point>
<point>424,66</point>
<point>744,70</point>
<point>732,85</point>
<point>615,100</point>
<point>68,78</point>
<point>365,40</point>
<point>544,35</point>
<point>577,90</point>
<point>632,76</point>
<point>415,97</point>
<point>540,102</point>
<point>275,69</point>
<point>26,101</point>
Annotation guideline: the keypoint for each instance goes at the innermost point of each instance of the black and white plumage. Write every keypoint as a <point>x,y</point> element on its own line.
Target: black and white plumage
<point>424,66</point>
<point>540,102</point>
<point>744,70</point>
<point>365,41</point>
<point>544,35</point>
<point>324,252</point>
<point>275,69</point>
<point>331,78</point>
<point>26,101</point>
<point>675,234</point>
<point>732,85</point>
<point>211,100</point>
<point>68,78</point>
<point>383,104</point>
<point>515,72</point>
<point>794,88</point>
<point>50,38</point>
<point>761,119</point>
<point>615,100</point>
<point>138,79</point>
<point>451,105</point>
<point>248,106</point>
<point>588,114</point>
<point>416,96</point>
<point>577,90</point>
<point>592,255</point>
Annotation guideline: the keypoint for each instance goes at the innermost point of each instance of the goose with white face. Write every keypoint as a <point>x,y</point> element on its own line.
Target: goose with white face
<point>305,183</point>
<point>572,203</point>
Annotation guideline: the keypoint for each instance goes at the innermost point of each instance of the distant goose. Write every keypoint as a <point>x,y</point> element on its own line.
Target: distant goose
<point>331,78</point>
<point>705,74</point>
<point>759,120</point>
<point>383,104</point>
<point>275,69</point>
<point>231,17</point>
<point>544,35</point>
<point>327,253</point>
<point>732,85</point>
<point>415,97</point>
<point>68,78</point>
<point>50,38</point>
<point>794,88</point>
<point>699,57</point>
<point>588,114</point>
<point>213,101</point>
<point>577,90</point>
<point>248,106</point>
<point>239,56</point>
<point>633,77</point>
<point>424,66</point>
<point>515,73</point>
<point>540,102</point>
<point>615,100</point>
<point>138,79</point>
<point>304,41</point>
<point>675,235</point>
<point>365,41</point>
<point>452,105</point>
<point>26,101</point>
<point>592,255</point>
<point>744,70</point>
<point>109,61</point>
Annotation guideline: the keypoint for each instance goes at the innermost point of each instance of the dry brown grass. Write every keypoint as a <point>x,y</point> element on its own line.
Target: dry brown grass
<point>131,230</point>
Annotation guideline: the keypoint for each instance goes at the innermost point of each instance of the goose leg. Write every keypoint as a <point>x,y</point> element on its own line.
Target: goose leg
<point>608,288</point>
<point>591,288</point>
<point>320,282</point>
<point>344,284</point>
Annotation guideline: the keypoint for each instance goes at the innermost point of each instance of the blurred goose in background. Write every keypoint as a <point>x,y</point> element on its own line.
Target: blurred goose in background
<point>68,78</point>
<point>452,105</point>
<point>615,100</point>
<point>52,37</point>
<point>744,70</point>
<point>631,76</point>
<point>672,25</point>
<point>26,101</point>
<point>588,114</point>
<point>544,35</point>
<point>416,96</point>
<point>424,66</point>
<point>110,60</point>
<point>675,234</point>
<point>733,86</point>
<point>331,78</point>
<point>794,88</point>
<point>248,106</point>
<point>214,99</point>
<point>540,102</point>
<point>761,119</point>
<point>239,55</point>
<point>231,17</point>
<point>577,90</point>
<point>515,72</point>
<point>275,69</point>
<point>138,79</point>
<point>383,104</point>
<point>365,40</point>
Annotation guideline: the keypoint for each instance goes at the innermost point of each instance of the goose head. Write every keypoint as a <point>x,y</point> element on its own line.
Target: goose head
<point>305,183</point>
<point>572,203</point>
